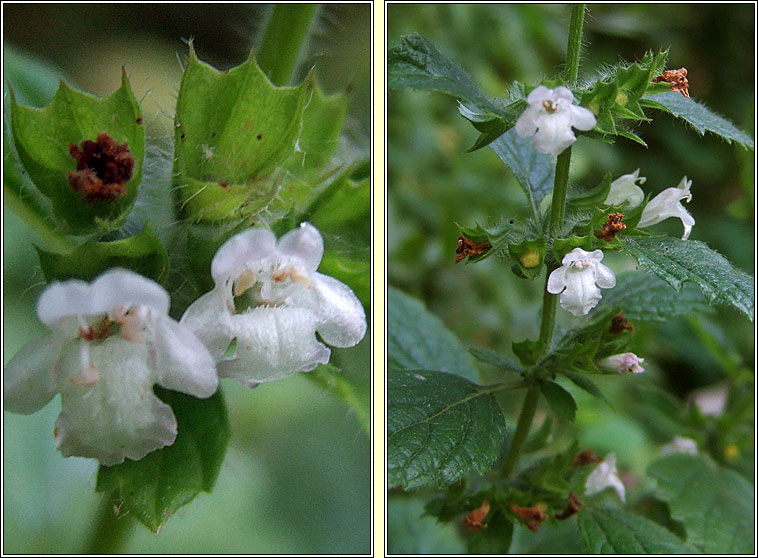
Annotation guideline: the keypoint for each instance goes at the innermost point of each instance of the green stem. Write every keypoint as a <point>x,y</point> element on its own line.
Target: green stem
<point>557,212</point>
<point>522,429</point>
<point>284,38</point>
<point>110,532</point>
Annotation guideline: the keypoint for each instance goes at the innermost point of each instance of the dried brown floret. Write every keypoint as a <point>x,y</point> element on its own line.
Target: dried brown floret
<point>468,247</point>
<point>611,227</point>
<point>102,168</point>
<point>475,520</point>
<point>618,324</point>
<point>533,516</point>
<point>585,458</point>
<point>573,506</point>
<point>677,80</point>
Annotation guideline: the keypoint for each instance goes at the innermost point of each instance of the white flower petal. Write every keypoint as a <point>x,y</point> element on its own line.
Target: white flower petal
<point>118,416</point>
<point>273,343</point>
<point>182,361</point>
<point>604,277</point>
<point>539,94</point>
<point>582,118</point>
<point>605,476</point>
<point>581,294</point>
<point>526,125</point>
<point>29,379</point>
<point>342,320</point>
<point>667,204</point>
<point>208,318</point>
<point>250,245</point>
<point>557,280</point>
<point>304,243</point>
<point>625,190</point>
<point>554,134</point>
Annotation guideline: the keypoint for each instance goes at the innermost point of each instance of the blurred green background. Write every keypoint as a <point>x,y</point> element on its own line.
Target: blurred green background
<point>296,478</point>
<point>432,184</point>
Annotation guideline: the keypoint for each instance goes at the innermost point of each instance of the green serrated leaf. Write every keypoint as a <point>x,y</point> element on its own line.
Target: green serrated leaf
<point>495,359</point>
<point>615,531</point>
<point>163,481</point>
<point>712,502</point>
<point>417,64</point>
<point>43,137</point>
<point>646,298</point>
<point>560,401</point>
<point>357,397</point>
<point>678,261</point>
<point>417,339</point>
<point>234,129</point>
<point>440,427</point>
<point>534,171</point>
<point>699,116</point>
<point>142,253</point>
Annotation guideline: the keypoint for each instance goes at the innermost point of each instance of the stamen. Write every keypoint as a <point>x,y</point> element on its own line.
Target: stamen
<point>244,282</point>
<point>89,374</point>
<point>294,274</point>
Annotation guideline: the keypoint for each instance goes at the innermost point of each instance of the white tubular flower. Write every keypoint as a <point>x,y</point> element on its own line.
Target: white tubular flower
<point>680,444</point>
<point>666,204</point>
<point>605,476</point>
<point>623,363</point>
<point>111,341</point>
<point>625,189</point>
<point>578,279</point>
<point>268,305</point>
<point>549,118</point>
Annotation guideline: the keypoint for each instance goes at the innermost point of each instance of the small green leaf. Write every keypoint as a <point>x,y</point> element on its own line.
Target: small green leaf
<point>677,261</point>
<point>497,237</point>
<point>713,503</point>
<point>615,531</point>
<point>43,138</point>
<point>495,359</point>
<point>583,382</point>
<point>345,204</point>
<point>163,481</point>
<point>234,129</point>
<point>592,198</point>
<point>534,171</point>
<point>142,253</point>
<point>699,116</point>
<point>646,298</point>
<point>357,397</point>
<point>418,339</point>
<point>560,401</point>
<point>528,351</point>
<point>440,427</point>
<point>417,64</point>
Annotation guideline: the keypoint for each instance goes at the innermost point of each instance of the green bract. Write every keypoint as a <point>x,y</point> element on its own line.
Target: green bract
<point>44,137</point>
<point>234,129</point>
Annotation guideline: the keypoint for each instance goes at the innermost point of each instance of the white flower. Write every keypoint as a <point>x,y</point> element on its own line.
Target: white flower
<point>578,280</point>
<point>625,190</point>
<point>268,305</point>
<point>666,204</point>
<point>111,341</point>
<point>549,118</point>
<point>623,363</point>
<point>679,444</point>
<point>604,476</point>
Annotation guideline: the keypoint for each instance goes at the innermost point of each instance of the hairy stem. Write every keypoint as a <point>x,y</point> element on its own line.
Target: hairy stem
<point>284,38</point>
<point>109,532</point>
<point>522,429</point>
<point>557,212</point>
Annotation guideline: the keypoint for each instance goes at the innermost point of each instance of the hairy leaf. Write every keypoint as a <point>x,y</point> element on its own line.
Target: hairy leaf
<point>712,502</point>
<point>699,116</point>
<point>440,427</point>
<point>645,297</point>
<point>163,481</point>
<point>495,359</point>
<point>678,261</point>
<point>561,402</point>
<point>535,171</point>
<point>418,339</point>
<point>615,531</point>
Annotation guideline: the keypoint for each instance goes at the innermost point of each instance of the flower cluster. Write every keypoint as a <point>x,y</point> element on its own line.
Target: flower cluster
<point>578,279</point>
<point>112,340</point>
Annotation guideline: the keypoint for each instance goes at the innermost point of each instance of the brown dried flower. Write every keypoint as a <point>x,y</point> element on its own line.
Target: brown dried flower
<point>468,247</point>
<point>474,520</point>
<point>618,324</point>
<point>585,458</point>
<point>573,506</point>
<point>533,516</point>
<point>611,227</point>
<point>677,80</point>
<point>102,168</point>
